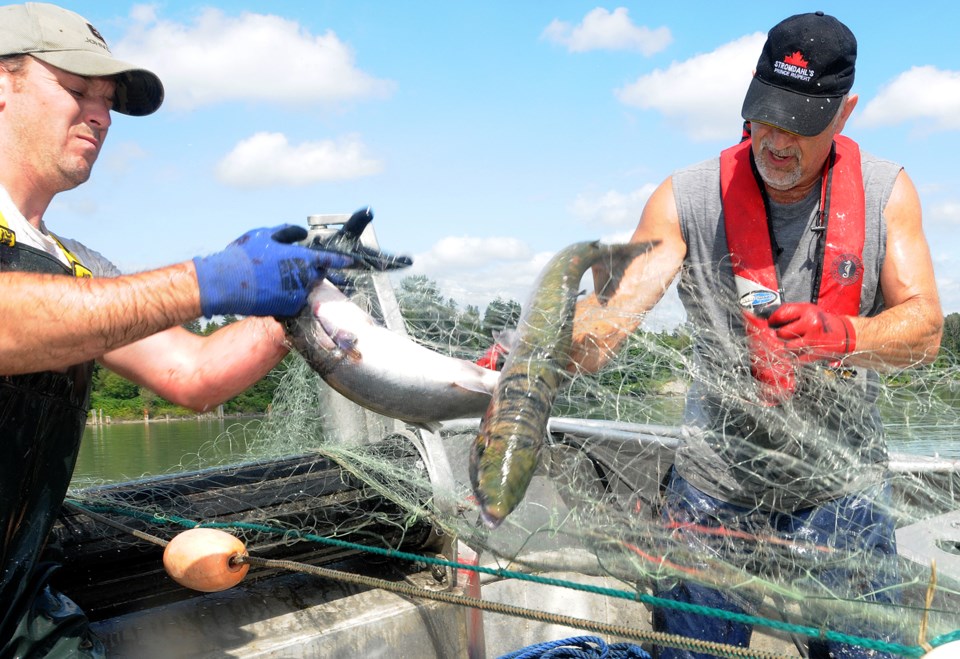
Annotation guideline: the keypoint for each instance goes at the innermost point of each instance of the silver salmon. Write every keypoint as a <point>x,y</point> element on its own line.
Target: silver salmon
<point>507,449</point>
<point>382,370</point>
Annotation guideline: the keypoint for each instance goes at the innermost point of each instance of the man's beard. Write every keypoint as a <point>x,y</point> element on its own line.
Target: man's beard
<point>74,174</point>
<point>779,179</point>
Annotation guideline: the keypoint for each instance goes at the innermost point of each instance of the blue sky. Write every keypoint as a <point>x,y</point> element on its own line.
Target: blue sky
<point>485,135</point>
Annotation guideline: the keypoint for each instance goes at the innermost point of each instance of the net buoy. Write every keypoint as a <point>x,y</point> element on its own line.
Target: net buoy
<point>199,559</point>
<point>949,650</point>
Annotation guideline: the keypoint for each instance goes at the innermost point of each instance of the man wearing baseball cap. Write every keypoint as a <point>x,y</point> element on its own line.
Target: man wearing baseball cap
<point>803,267</point>
<point>65,305</point>
<point>67,41</point>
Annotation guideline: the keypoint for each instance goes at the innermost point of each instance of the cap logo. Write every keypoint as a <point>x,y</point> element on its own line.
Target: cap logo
<point>101,42</point>
<point>794,66</point>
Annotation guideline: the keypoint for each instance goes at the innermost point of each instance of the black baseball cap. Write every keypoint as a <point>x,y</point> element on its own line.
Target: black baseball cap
<point>805,68</point>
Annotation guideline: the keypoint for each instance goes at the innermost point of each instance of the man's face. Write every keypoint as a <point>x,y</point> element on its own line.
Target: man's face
<point>58,122</point>
<point>790,164</point>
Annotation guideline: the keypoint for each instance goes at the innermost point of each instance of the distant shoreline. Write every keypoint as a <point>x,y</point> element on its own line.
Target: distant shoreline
<point>207,416</point>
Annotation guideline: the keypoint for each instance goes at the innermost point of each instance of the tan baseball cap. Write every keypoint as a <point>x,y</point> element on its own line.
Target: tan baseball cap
<point>67,41</point>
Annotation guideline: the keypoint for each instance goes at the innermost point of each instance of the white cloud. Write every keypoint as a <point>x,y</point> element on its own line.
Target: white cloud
<point>253,57</point>
<point>266,159</point>
<point>464,252</point>
<point>476,271</point>
<point>120,158</point>
<point>947,212</point>
<point>703,94</point>
<point>603,30</point>
<point>612,209</point>
<point>924,93</point>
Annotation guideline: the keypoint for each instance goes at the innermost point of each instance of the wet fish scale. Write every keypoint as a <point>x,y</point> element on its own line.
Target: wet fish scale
<point>384,371</point>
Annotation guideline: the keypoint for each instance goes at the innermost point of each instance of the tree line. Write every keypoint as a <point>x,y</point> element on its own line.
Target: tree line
<point>950,344</point>
<point>119,398</point>
<point>462,332</point>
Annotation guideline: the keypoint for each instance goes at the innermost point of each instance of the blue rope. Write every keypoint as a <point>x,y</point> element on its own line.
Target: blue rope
<point>579,647</point>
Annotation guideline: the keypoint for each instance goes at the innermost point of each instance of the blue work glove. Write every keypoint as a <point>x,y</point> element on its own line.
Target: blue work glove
<point>262,273</point>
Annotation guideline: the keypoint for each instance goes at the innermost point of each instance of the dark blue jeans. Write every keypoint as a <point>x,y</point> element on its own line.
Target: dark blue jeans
<point>843,548</point>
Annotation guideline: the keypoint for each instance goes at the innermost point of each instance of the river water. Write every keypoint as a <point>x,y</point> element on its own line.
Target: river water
<point>127,451</point>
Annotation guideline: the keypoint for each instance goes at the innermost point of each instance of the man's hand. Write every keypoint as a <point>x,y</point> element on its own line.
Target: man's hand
<point>263,273</point>
<point>811,333</point>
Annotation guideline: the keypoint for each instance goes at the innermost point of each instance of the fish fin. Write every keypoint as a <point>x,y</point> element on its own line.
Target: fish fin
<point>482,386</point>
<point>347,343</point>
<point>322,338</point>
<point>346,241</point>
<point>353,228</point>
<point>335,338</point>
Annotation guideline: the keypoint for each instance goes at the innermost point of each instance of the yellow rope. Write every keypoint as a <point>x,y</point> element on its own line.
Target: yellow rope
<point>928,603</point>
<point>659,638</point>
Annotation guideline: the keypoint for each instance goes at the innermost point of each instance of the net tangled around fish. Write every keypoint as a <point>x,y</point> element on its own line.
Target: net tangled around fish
<point>594,505</point>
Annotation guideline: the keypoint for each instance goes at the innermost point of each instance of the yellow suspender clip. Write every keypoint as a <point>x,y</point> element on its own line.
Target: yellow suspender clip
<point>79,269</point>
<point>8,237</point>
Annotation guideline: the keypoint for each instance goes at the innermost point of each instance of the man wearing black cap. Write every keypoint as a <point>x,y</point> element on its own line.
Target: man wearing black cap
<point>64,305</point>
<point>803,267</point>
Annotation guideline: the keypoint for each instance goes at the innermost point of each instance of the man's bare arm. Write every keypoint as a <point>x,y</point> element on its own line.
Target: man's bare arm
<point>53,321</point>
<point>199,372</point>
<point>601,326</point>
<point>908,331</point>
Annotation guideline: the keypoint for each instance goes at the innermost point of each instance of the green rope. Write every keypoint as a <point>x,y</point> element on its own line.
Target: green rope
<point>810,632</point>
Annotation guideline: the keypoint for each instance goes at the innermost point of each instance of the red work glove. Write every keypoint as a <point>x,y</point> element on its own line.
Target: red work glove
<point>811,333</point>
<point>493,358</point>
<point>496,355</point>
<point>772,366</point>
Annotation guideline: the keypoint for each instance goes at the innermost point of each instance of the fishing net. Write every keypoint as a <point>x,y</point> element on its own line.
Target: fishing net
<point>594,506</point>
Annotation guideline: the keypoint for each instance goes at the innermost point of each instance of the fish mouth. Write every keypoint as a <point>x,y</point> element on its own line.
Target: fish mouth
<point>490,519</point>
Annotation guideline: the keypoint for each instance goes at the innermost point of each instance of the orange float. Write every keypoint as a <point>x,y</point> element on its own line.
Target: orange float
<point>945,651</point>
<point>200,559</point>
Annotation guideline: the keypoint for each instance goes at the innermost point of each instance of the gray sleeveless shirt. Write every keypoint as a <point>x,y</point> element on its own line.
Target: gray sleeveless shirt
<point>827,440</point>
<point>95,261</point>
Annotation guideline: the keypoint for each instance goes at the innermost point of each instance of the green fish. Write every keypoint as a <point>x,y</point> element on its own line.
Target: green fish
<point>507,449</point>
